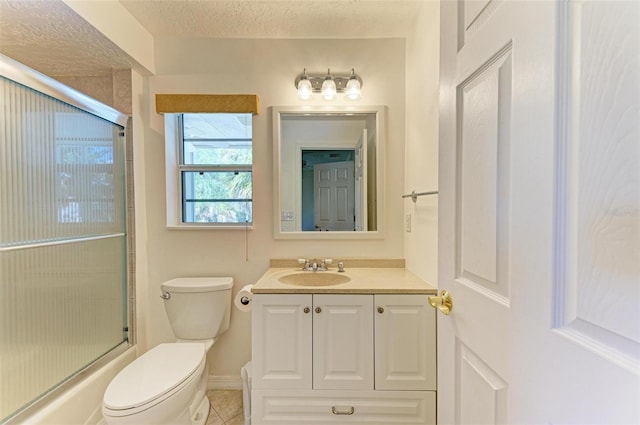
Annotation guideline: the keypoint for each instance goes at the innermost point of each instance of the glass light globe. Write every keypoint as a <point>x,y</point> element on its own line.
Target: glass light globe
<point>304,89</point>
<point>328,89</point>
<point>352,90</point>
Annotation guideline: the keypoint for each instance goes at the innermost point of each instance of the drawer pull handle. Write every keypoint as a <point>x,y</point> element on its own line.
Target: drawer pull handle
<point>335,411</point>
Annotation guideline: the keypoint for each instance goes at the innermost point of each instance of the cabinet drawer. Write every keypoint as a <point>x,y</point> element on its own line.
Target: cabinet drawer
<point>341,407</point>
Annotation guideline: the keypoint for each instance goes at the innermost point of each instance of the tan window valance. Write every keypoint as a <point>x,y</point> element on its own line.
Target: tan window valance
<point>202,103</point>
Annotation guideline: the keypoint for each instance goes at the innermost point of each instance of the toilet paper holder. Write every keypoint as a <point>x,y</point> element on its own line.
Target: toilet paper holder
<point>243,298</point>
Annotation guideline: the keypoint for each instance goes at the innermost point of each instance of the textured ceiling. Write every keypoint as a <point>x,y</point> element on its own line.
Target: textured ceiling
<point>50,37</point>
<point>275,18</point>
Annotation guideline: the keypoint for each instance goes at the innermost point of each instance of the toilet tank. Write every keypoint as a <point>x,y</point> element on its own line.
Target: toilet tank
<point>198,307</point>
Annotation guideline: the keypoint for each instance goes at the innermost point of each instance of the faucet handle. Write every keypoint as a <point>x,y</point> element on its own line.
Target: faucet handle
<point>305,263</point>
<point>327,261</point>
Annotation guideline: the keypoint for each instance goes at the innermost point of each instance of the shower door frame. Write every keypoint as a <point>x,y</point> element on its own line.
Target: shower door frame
<point>41,83</point>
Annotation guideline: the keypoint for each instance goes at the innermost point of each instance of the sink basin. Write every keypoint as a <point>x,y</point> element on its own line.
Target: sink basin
<point>314,279</point>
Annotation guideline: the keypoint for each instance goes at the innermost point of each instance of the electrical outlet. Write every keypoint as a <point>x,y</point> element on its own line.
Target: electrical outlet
<point>407,223</point>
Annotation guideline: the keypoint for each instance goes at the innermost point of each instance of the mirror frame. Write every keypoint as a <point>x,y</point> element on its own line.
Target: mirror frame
<point>380,117</point>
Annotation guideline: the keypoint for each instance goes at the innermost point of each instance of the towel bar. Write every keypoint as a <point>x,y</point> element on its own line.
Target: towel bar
<point>414,196</point>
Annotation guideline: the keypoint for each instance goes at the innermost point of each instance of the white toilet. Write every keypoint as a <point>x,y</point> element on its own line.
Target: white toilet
<point>167,384</point>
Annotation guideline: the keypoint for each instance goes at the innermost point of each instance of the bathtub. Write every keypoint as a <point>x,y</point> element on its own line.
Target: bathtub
<point>80,404</point>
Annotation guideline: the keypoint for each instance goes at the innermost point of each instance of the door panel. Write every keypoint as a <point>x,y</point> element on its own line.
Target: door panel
<point>483,176</point>
<point>539,212</point>
<point>474,14</point>
<point>597,287</point>
<point>482,397</point>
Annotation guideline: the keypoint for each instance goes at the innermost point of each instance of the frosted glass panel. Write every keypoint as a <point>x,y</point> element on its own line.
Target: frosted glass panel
<point>60,170</point>
<point>61,307</point>
<point>62,242</point>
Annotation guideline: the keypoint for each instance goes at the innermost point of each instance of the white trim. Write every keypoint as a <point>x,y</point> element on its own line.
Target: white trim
<point>224,382</point>
<point>26,76</point>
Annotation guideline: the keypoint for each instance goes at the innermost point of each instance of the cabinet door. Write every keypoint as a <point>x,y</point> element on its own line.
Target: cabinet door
<point>342,342</point>
<point>281,341</point>
<point>405,343</point>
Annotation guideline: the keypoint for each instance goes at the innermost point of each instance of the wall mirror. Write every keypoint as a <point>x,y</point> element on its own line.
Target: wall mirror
<point>328,172</point>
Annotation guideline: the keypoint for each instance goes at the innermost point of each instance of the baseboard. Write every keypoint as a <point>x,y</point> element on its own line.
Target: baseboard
<point>224,382</point>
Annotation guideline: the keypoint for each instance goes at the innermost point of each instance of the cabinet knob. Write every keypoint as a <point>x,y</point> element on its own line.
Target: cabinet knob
<point>306,310</point>
<point>380,310</point>
<point>318,310</point>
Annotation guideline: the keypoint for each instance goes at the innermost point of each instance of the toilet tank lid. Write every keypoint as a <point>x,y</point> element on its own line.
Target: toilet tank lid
<point>197,284</point>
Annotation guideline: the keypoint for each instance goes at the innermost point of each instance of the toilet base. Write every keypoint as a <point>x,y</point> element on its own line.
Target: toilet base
<point>201,414</point>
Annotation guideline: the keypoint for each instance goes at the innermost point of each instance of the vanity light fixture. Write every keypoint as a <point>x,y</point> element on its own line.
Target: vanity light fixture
<point>329,85</point>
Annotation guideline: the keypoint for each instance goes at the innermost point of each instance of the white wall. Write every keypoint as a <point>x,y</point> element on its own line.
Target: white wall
<point>421,152</point>
<point>267,68</point>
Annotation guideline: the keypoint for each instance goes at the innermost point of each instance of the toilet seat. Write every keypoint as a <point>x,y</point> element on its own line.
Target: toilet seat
<point>153,377</point>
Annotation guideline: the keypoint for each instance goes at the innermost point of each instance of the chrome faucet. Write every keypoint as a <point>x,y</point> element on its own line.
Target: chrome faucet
<point>313,266</point>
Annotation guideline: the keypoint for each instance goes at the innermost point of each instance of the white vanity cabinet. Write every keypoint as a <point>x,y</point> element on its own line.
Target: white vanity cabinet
<point>343,358</point>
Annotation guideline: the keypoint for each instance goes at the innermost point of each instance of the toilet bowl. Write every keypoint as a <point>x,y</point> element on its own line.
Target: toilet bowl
<point>156,388</point>
<point>167,384</point>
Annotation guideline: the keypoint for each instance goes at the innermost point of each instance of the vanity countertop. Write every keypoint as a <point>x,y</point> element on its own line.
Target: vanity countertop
<point>364,280</point>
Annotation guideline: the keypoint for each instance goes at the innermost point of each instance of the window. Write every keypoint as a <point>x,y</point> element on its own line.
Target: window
<point>215,168</point>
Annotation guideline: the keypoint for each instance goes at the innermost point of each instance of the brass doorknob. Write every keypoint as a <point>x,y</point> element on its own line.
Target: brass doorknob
<point>444,302</point>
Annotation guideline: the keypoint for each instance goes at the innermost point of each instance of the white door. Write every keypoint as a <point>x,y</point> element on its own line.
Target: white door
<point>360,176</point>
<point>342,342</point>
<point>281,341</point>
<point>333,188</point>
<point>539,238</point>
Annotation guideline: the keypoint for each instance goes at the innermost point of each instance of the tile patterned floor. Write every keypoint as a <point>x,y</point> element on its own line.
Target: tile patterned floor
<point>226,407</point>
